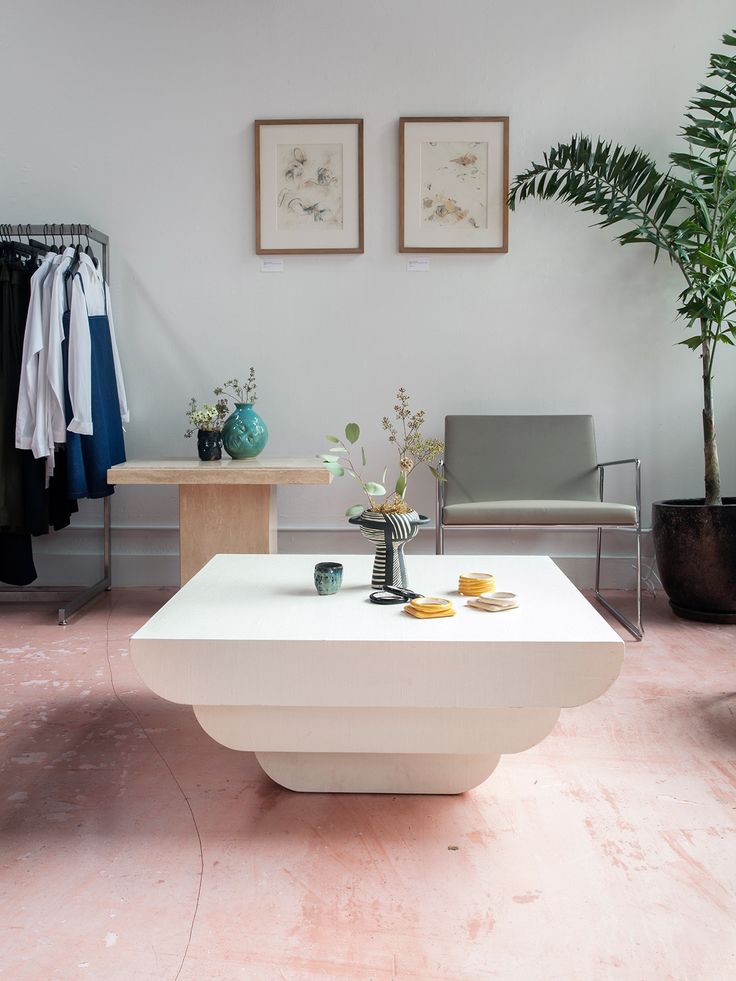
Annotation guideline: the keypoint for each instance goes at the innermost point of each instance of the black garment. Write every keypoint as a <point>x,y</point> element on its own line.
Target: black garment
<point>27,506</point>
<point>16,558</point>
<point>15,293</point>
<point>16,555</point>
<point>50,505</point>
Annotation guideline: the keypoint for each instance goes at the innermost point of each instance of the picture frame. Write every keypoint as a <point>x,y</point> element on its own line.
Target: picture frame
<point>453,183</point>
<point>309,186</point>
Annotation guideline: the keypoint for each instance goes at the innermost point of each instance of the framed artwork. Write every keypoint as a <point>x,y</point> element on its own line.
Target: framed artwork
<point>454,183</point>
<point>309,186</point>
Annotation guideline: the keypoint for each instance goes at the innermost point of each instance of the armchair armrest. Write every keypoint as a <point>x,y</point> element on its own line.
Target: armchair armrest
<point>637,479</point>
<point>615,463</point>
<point>440,467</point>
<point>439,531</point>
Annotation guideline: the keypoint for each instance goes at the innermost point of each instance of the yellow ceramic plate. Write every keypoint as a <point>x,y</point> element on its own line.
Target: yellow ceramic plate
<point>424,615</point>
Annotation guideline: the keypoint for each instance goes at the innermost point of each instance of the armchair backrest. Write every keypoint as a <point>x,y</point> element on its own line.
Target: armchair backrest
<point>513,458</point>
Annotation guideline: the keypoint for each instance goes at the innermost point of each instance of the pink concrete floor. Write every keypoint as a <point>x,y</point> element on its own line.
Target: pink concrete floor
<point>133,847</point>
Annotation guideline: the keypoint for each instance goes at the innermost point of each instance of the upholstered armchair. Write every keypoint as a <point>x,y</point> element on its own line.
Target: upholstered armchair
<point>534,472</point>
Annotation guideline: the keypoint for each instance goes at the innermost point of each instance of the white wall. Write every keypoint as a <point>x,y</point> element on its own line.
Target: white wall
<point>137,118</point>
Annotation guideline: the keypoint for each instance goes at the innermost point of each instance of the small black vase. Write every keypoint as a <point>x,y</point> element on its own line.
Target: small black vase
<point>209,445</point>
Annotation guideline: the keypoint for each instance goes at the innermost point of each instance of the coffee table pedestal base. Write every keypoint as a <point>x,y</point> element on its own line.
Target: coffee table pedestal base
<point>378,773</point>
<point>379,750</point>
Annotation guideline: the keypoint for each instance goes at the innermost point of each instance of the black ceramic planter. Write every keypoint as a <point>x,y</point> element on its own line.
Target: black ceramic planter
<point>695,547</point>
<point>209,445</point>
<point>389,533</point>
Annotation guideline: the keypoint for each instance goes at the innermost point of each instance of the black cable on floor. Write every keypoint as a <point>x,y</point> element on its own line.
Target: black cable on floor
<point>135,715</point>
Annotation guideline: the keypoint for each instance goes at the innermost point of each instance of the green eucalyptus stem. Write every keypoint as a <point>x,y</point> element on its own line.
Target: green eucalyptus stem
<point>356,474</point>
<point>339,465</point>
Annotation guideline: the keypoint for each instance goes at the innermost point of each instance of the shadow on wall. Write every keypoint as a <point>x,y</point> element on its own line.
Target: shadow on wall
<point>165,358</point>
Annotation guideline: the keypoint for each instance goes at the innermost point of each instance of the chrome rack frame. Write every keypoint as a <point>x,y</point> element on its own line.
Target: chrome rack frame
<point>69,599</point>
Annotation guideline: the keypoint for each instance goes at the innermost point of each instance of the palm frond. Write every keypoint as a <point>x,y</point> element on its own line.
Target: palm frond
<point>692,219</point>
<point>710,129</point>
<point>610,181</point>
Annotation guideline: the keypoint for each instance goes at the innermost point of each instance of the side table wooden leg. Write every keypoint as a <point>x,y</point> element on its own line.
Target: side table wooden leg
<point>230,518</point>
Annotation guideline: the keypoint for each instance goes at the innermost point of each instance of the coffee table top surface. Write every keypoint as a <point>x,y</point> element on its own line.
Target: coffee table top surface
<point>271,598</point>
<point>258,470</point>
<point>250,630</point>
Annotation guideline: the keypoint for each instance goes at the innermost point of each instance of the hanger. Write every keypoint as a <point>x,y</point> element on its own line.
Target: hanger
<point>34,243</point>
<point>39,245</point>
<point>88,250</point>
<point>23,248</point>
<point>78,246</point>
<point>10,246</point>
<point>74,264</point>
<point>31,248</point>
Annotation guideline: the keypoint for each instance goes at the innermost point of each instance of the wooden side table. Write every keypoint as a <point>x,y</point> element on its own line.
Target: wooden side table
<point>224,505</point>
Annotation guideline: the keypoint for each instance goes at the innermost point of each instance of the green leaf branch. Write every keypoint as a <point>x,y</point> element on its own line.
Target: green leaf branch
<point>339,462</point>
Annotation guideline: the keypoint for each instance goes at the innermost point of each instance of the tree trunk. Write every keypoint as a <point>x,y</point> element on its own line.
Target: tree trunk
<point>712,468</point>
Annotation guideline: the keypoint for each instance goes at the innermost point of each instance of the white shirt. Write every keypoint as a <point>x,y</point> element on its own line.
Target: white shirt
<point>47,403</point>
<point>56,409</point>
<point>90,297</point>
<point>25,419</point>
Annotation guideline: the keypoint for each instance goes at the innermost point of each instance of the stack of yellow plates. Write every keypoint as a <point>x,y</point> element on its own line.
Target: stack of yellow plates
<point>475,583</point>
<point>494,602</point>
<point>429,608</point>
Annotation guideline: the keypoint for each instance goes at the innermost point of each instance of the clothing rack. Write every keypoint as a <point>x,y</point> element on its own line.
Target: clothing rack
<point>69,599</point>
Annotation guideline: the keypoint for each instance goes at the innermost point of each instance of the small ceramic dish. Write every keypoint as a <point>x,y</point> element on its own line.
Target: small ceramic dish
<point>430,601</point>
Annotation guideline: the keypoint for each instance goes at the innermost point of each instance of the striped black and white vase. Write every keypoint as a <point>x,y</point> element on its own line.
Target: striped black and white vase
<point>389,534</point>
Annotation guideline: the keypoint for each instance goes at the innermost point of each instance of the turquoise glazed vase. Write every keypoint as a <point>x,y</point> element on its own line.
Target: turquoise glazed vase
<point>244,433</point>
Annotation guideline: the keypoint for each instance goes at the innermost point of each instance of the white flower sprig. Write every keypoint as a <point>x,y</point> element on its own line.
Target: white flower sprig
<point>206,417</point>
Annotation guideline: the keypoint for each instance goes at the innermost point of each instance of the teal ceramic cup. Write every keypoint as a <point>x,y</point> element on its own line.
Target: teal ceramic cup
<point>327,577</point>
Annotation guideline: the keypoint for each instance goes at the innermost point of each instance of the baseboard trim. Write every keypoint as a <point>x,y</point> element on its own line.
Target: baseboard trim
<point>149,556</point>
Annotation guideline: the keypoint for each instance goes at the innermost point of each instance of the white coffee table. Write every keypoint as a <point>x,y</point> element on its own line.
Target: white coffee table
<point>334,693</point>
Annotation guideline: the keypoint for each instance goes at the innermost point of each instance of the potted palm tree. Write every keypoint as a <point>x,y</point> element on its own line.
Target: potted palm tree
<point>689,213</point>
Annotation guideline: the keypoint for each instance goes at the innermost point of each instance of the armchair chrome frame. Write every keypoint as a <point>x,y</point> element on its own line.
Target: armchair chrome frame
<point>634,628</point>
<point>637,628</point>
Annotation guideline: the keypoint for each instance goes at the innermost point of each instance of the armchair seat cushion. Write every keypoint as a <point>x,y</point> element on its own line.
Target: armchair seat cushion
<point>591,513</point>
